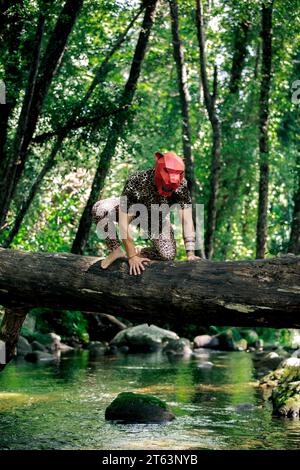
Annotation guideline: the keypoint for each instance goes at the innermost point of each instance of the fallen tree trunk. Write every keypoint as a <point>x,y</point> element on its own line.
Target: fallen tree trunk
<point>235,293</point>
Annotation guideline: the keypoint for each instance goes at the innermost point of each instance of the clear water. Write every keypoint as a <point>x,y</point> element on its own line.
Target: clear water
<point>61,406</point>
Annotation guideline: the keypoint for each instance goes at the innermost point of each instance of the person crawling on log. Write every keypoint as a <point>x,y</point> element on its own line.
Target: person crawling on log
<point>161,186</point>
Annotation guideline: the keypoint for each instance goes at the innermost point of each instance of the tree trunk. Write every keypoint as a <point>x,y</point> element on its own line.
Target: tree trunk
<point>12,79</point>
<point>209,101</point>
<point>184,98</point>
<point>266,34</point>
<point>62,133</point>
<point>116,129</point>
<point>239,55</point>
<point>237,293</point>
<point>294,242</point>
<point>7,180</point>
<point>48,67</point>
<point>10,329</point>
<point>48,165</point>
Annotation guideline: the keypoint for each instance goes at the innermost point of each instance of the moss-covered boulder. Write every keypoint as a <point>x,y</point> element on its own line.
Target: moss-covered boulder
<point>178,347</point>
<point>267,361</point>
<point>96,348</point>
<point>231,340</point>
<point>286,399</point>
<point>130,407</point>
<point>251,337</point>
<point>282,386</point>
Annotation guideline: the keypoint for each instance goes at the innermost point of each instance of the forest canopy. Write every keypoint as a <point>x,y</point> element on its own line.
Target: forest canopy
<point>217,82</point>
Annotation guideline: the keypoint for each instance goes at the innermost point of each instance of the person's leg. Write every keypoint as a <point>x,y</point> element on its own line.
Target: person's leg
<point>102,212</point>
<point>163,248</point>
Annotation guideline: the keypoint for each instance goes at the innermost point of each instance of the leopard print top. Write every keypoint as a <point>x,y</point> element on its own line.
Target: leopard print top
<point>140,189</point>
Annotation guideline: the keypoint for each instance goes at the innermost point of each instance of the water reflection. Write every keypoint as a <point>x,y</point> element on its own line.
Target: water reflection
<point>61,406</point>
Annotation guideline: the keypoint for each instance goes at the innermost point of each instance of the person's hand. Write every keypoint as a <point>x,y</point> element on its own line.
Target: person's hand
<point>192,257</point>
<point>136,265</point>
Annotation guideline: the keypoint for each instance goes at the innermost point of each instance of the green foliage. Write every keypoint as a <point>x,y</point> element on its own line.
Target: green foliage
<point>70,325</point>
<point>154,122</point>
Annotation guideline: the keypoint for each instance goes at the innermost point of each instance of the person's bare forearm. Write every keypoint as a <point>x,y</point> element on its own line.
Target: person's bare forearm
<point>129,247</point>
<point>136,263</point>
<point>124,220</point>
<point>188,229</point>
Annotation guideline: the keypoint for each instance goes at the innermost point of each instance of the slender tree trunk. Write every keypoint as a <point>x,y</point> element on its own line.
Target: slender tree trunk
<point>210,101</point>
<point>48,67</point>
<point>184,98</point>
<point>294,242</point>
<point>7,172</point>
<point>12,79</point>
<point>266,72</point>
<point>116,129</point>
<point>241,39</point>
<point>10,329</point>
<point>232,102</point>
<point>48,165</point>
<point>63,131</point>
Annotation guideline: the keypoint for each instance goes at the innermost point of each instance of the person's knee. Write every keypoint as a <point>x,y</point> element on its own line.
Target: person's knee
<point>168,255</point>
<point>98,211</point>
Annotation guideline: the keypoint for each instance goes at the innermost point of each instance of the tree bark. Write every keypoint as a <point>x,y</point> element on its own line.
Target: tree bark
<point>72,122</point>
<point>116,129</point>
<point>12,79</point>
<point>10,329</point>
<point>266,73</point>
<point>184,98</point>
<point>7,176</point>
<point>210,101</point>
<point>239,55</point>
<point>294,242</point>
<point>48,67</point>
<point>237,293</point>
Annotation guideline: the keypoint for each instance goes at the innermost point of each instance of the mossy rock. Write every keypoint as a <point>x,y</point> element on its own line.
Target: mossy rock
<point>130,407</point>
<point>282,386</point>
<point>231,340</point>
<point>286,400</point>
<point>250,336</point>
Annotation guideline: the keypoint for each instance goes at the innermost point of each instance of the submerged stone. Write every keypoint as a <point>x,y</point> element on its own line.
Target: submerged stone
<point>40,356</point>
<point>130,407</point>
<point>178,347</point>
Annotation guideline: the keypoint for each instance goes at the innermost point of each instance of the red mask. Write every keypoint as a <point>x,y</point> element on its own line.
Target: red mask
<point>169,170</point>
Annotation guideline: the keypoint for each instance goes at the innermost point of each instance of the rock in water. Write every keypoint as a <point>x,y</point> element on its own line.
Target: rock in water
<point>178,347</point>
<point>130,407</point>
<point>286,399</point>
<point>23,347</point>
<point>202,341</point>
<point>40,356</point>
<point>143,338</point>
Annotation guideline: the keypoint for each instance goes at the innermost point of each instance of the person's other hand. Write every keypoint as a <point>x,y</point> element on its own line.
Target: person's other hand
<point>136,265</point>
<point>193,257</point>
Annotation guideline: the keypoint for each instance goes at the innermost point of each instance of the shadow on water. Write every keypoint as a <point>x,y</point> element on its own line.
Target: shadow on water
<point>214,396</point>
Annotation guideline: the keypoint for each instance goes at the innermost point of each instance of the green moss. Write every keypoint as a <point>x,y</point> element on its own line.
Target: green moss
<point>128,399</point>
<point>136,408</point>
<point>286,399</point>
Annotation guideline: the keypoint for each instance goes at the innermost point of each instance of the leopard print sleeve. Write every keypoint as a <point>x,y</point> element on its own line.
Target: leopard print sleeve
<point>182,195</point>
<point>130,190</point>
